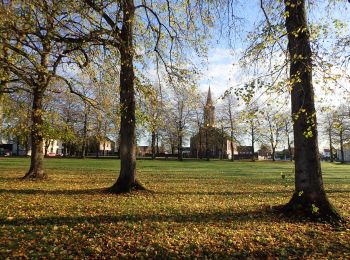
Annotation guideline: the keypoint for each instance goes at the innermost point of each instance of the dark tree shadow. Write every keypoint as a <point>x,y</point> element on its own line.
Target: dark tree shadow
<point>55,192</point>
<point>196,217</point>
<point>189,193</point>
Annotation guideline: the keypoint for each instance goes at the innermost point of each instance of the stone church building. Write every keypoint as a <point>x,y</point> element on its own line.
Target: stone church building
<point>211,141</point>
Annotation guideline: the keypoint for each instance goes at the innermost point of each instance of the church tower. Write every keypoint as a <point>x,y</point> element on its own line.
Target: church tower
<point>209,111</point>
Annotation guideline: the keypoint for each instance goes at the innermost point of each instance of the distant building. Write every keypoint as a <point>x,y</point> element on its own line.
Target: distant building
<point>210,140</point>
<point>13,147</point>
<point>53,147</point>
<point>246,152</point>
<point>326,153</point>
<point>346,149</point>
<point>103,147</point>
<point>145,150</point>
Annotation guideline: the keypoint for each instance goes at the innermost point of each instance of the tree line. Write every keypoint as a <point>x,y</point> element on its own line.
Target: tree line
<point>45,43</point>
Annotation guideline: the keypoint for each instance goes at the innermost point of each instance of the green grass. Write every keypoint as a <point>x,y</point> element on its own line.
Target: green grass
<point>214,209</point>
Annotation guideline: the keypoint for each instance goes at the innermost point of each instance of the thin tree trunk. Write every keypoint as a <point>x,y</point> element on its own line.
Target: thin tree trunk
<point>207,144</point>
<point>179,146</point>
<point>222,143</point>
<point>157,143</point>
<point>97,148</point>
<point>330,145</point>
<point>289,149</point>
<point>83,149</point>
<point>153,145</point>
<point>26,147</point>
<point>309,198</point>
<point>17,148</point>
<point>3,84</point>
<point>273,154</point>
<point>200,143</point>
<point>232,147</point>
<point>47,144</point>
<point>36,170</point>
<point>253,142</point>
<point>127,178</point>
<point>172,148</point>
<point>341,146</point>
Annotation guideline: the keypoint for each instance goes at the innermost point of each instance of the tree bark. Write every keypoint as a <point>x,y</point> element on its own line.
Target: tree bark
<point>200,144</point>
<point>83,149</point>
<point>17,146</point>
<point>153,145</point>
<point>1,113</point>
<point>330,145</point>
<point>341,139</point>
<point>309,199</point>
<point>253,141</point>
<point>232,147</point>
<point>127,181</point>
<point>207,144</point>
<point>179,145</point>
<point>36,170</point>
<point>46,144</point>
<point>289,148</point>
<point>3,78</point>
<point>157,143</point>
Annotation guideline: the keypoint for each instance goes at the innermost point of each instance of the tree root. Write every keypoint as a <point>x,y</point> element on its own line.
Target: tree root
<point>35,175</point>
<point>302,207</point>
<point>119,188</point>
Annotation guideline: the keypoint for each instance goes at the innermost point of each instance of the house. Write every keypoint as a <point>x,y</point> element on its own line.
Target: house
<point>326,153</point>
<point>53,147</point>
<point>13,147</point>
<point>144,150</point>
<point>246,152</point>
<point>103,147</point>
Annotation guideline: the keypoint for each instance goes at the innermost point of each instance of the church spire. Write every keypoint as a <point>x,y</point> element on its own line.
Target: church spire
<point>209,100</point>
<point>209,111</point>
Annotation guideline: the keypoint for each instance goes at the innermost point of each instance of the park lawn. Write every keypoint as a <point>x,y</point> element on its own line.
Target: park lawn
<point>215,209</point>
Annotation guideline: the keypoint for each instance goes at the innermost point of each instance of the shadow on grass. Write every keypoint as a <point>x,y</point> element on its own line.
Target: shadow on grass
<point>55,192</point>
<point>189,193</point>
<point>191,217</point>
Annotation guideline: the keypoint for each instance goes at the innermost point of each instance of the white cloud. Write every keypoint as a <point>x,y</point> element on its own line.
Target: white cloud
<point>221,73</point>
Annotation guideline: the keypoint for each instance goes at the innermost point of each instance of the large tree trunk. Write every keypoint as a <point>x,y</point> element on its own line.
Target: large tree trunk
<point>36,170</point>
<point>127,181</point>
<point>1,113</point>
<point>309,199</point>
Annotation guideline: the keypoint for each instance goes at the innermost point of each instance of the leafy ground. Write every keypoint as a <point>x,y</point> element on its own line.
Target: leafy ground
<point>214,209</point>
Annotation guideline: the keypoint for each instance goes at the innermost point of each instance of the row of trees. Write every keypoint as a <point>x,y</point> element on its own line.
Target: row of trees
<point>44,44</point>
<point>335,127</point>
